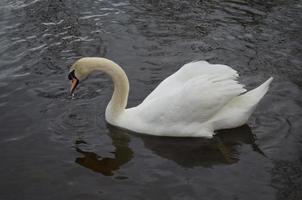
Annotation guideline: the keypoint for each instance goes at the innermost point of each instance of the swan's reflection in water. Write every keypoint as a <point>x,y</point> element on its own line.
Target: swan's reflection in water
<point>187,152</point>
<point>106,165</point>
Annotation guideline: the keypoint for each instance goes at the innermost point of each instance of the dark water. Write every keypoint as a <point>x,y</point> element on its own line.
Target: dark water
<point>53,147</point>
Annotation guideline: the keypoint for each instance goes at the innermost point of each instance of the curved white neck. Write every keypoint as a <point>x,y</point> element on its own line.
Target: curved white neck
<point>119,98</point>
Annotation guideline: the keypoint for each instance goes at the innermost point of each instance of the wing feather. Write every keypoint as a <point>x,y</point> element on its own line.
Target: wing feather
<point>194,100</point>
<point>188,72</point>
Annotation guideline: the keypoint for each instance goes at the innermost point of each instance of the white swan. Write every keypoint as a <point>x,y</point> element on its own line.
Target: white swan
<point>193,102</point>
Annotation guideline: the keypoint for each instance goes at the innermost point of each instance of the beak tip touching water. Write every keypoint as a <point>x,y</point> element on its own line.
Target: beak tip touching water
<point>74,84</point>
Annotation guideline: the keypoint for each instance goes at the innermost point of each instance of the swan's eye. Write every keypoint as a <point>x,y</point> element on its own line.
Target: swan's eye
<point>71,75</point>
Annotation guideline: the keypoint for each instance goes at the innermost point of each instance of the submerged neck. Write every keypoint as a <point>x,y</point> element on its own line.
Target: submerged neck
<point>119,98</point>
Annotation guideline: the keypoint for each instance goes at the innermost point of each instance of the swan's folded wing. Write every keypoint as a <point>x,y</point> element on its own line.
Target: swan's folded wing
<point>188,72</point>
<point>196,101</point>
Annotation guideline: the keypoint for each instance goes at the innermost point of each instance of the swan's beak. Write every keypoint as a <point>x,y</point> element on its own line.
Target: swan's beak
<point>74,84</point>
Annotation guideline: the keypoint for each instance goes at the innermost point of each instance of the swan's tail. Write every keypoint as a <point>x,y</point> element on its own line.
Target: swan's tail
<point>237,112</point>
<point>257,94</point>
<point>250,100</point>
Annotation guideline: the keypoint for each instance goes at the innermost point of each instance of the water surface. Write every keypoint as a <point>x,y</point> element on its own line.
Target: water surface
<point>55,147</point>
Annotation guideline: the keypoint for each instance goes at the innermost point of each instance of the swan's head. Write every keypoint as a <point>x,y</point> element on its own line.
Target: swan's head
<point>74,81</point>
<point>78,72</point>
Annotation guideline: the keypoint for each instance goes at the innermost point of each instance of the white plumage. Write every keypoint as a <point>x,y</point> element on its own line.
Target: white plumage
<point>193,102</point>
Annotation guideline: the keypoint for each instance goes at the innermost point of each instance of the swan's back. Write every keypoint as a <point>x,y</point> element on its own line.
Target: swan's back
<point>194,101</point>
<point>184,102</point>
<point>188,72</point>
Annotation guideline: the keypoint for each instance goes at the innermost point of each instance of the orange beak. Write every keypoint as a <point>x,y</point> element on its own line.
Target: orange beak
<point>74,84</point>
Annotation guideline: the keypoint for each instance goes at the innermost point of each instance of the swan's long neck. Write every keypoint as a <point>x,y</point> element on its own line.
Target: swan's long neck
<point>119,98</point>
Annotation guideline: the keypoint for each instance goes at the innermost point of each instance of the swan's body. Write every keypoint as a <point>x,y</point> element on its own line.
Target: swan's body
<point>193,102</point>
